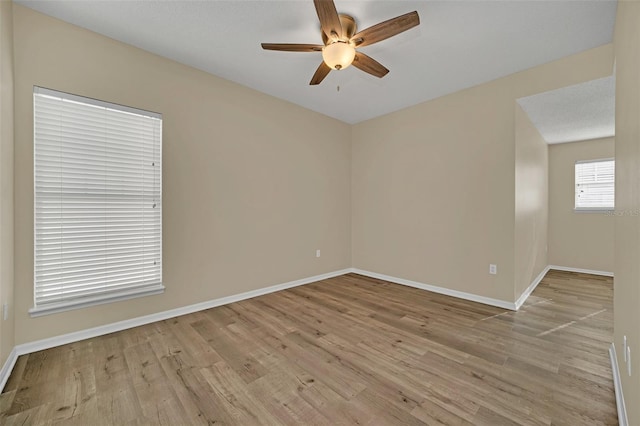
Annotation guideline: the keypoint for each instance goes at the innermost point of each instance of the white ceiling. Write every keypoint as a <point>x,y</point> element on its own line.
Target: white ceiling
<point>459,44</point>
<point>575,113</point>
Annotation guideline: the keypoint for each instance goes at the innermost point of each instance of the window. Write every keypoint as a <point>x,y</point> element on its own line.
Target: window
<point>98,206</point>
<point>595,184</point>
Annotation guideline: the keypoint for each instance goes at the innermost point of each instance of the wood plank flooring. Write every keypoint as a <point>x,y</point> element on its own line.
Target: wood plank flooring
<point>348,350</point>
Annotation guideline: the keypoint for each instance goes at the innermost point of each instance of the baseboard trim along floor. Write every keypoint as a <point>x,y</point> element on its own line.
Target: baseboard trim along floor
<point>440,290</point>
<point>580,270</point>
<point>622,409</point>
<point>523,297</point>
<point>5,372</point>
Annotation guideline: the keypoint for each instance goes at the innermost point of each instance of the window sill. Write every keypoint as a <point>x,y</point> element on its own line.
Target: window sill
<point>604,210</point>
<point>54,308</point>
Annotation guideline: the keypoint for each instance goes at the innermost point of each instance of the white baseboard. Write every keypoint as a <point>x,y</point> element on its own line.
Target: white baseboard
<point>441,290</point>
<point>622,410</point>
<point>523,297</point>
<point>38,345</point>
<point>580,270</point>
<point>5,372</point>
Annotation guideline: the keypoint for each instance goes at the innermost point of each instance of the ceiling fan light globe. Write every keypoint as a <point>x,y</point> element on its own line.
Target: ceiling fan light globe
<point>338,55</point>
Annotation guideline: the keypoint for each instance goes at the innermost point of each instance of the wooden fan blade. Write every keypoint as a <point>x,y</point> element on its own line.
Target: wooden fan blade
<point>369,65</point>
<point>321,73</point>
<point>292,47</point>
<point>329,19</point>
<point>386,29</point>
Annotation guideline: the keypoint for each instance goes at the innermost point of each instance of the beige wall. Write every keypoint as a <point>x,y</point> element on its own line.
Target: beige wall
<point>532,203</point>
<point>433,186</point>
<point>6,178</point>
<point>627,226</point>
<point>252,185</point>
<point>577,240</point>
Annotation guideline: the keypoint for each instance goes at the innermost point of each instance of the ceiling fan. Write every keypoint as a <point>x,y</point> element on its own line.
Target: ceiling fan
<point>341,41</point>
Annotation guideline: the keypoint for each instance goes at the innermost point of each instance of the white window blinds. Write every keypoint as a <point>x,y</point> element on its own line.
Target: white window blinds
<point>98,207</point>
<point>595,185</point>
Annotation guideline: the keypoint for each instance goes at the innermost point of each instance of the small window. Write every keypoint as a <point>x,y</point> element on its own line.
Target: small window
<point>595,185</point>
<point>98,202</point>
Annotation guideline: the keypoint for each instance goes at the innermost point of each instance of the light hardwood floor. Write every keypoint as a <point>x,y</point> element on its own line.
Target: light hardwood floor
<point>348,350</point>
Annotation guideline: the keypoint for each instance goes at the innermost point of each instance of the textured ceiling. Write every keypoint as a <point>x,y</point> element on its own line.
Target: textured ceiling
<point>574,113</point>
<point>459,44</point>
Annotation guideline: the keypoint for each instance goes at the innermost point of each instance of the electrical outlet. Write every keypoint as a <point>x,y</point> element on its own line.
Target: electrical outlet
<point>624,348</point>
<point>629,361</point>
<point>317,253</point>
<point>493,269</point>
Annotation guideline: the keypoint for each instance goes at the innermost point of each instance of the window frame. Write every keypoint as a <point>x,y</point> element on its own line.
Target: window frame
<point>592,209</point>
<point>122,294</point>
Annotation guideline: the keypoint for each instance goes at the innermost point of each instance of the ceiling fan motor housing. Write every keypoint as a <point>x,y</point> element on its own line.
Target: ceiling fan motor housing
<point>348,29</point>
